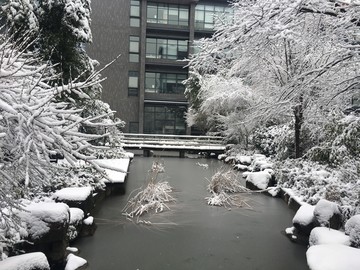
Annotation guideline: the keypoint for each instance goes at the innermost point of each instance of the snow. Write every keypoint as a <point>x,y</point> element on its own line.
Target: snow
<point>304,215</point>
<point>73,262</point>
<point>352,228</point>
<point>29,261</point>
<point>290,230</point>
<point>89,220</point>
<point>114,176</point>
<point>221,156</point>
<point>324,210</point>
<point>273,191</point>
<point>241,167</point>
<point>259,179</point>
<point>76,215</point>
<point>323,235</point>
<point>37,215</point>
<point>333,257</point>
<point>72,249</point>
<point>72,194</point>
<point>244,160</point>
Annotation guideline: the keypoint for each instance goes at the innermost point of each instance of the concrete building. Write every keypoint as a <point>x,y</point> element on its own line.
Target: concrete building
<point>152,37</point>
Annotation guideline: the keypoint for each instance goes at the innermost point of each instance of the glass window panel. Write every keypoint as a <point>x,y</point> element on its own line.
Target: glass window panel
<point>210,8</point>
<point>134,58</point>
<point>150,82</point>
<point>133,92</point>
<point>152,14</point>
<point>135,11</point>
<point>134,44</point>
<point>134,22</point>
<point>133,79</point>
<point>162,14</point>
<point>151,51</point>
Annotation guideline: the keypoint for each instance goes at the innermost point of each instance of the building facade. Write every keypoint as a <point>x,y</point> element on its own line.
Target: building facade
<point>151,39</point>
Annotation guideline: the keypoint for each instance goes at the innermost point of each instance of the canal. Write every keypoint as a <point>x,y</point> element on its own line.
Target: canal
<point>192,235</point>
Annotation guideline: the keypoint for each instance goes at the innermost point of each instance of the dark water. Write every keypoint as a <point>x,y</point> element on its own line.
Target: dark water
<point>192,235</point>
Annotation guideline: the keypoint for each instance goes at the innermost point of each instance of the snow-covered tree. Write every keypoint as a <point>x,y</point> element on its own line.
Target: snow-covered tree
<point>34,126</point>
<point>58,31</point>
<point>299,58</point>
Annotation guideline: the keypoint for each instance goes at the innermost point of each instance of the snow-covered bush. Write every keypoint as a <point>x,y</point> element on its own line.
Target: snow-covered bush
<point>312,181</point>
<point>154,196</point>
<point>340,142</point>
<point>352,228</point>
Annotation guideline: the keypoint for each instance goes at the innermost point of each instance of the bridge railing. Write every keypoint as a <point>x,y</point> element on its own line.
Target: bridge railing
<point>131,138</point>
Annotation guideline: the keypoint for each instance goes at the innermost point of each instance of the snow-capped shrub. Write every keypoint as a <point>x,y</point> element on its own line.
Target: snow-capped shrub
<point>352,228</point>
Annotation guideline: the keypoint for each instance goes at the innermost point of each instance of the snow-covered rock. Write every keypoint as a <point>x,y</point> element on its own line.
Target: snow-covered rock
<point>222,156</point>
<point>244,160</point>
<point>115,169</point>
<point>304,220</point>
<point>333,257</point>
<point>74,262</point>
<point>352,228</point>
<point>258,180</point>
<point>89,226</point>
<point>241,167</point>
<point>29,261</point>
<point>323,235</point>
<point>328,214</point>
<point>40,217</point>
<point>76,215</point>
<point>77,197</point>
<point>274,191</point>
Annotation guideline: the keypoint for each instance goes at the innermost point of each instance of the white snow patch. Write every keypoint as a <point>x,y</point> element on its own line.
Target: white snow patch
<point>304,215</point>
<point>245,174</point>
<point>333,257</point>
<point>290,230</point>
<point>76,215</point>
<point>89,220</point>
<point>29,261</point>
<point>118,173</point>
<point>324,210</point>
<point>222,156</point>
<point>72,194</point>
<point>273,191</point>
<point>259,179</point>
<point>323,235</point>
<point>73,262</point>
<point>72,249</point>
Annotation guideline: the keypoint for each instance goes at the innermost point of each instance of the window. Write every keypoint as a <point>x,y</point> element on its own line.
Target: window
<point>165,83</point>
<point>134,49</point>
<point>166,48</point>
<point>133,85</point>
<point>205,15</point>
<point>167,14</point>
<point>135,13</point>
<point>164,119</point>
<point>133,127</point>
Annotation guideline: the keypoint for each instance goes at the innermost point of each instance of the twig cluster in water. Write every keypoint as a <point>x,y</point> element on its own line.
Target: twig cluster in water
<point>153,196</point>
<point>222,187</point>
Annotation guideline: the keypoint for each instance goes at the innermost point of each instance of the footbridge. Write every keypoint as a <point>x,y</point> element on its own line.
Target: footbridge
<point>180,143</point>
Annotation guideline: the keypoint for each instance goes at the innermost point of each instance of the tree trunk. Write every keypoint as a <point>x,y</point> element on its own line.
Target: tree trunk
<point>298,113</point>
